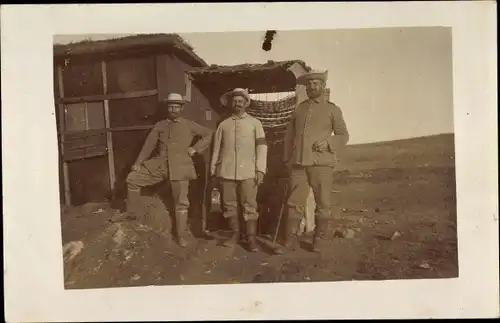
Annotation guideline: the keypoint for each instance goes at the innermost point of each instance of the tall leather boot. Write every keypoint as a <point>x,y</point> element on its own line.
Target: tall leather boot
<point>251,235</point>
<point>235,232</point>
<point>133,204</point>
<point>181,227</point>
<point>291,238</point>
<point>320,232</point>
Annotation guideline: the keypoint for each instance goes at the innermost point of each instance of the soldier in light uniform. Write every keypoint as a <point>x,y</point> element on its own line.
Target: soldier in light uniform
<point>310,155</point>
<point>239,160</point>
<point>174,137</point>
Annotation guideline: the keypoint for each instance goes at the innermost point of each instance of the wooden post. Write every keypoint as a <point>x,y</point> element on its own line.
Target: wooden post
<point>62,128</point>
<point>109,135</point>
<point>187,83</point>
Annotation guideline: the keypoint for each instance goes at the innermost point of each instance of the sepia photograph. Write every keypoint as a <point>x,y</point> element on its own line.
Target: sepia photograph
<point>250,161</point>
<point>256,157</point>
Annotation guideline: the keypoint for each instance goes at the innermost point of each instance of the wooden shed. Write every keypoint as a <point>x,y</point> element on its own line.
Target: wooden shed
<point>107,97</point>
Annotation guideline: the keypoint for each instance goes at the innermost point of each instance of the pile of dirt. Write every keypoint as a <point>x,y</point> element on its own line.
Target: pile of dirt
<point>110,256</point>
<point>103,247</point>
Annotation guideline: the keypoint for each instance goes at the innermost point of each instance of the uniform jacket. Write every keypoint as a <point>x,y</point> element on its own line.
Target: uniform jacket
<point>240,148</point>
<point>315,120</point>
<point>173,138</point>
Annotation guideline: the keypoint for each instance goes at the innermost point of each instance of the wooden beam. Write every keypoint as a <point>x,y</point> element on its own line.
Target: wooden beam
<point>187,82</point>
<point>89,152</point>
<point>297,69</point>
<point>114,129</point>
<point>112,96</point>
<point>77,141</point>
<point>62,130</point>
<point>109,135</point>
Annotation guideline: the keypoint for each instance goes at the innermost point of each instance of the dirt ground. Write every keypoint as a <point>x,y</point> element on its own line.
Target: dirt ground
<point>396,200</point>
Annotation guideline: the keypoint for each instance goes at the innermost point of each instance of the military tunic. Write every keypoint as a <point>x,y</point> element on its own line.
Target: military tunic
<point>240,150</point>
<point>173,162</point>
<point>315,120</point>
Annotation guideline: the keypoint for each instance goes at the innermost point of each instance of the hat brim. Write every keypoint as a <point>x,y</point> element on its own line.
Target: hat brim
<point>174,101</point>
<point>226,96</point>
<point>311,76</point>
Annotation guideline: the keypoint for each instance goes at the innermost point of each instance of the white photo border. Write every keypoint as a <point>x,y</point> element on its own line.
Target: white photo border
<point>33,269</point>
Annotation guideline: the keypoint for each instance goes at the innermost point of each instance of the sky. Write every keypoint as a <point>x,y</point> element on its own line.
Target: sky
<point>391,83</point>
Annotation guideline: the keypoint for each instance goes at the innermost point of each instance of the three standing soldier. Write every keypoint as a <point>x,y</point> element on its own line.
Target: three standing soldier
<point>313,137</point>
<point>310,155</point>
<point>173,137</point>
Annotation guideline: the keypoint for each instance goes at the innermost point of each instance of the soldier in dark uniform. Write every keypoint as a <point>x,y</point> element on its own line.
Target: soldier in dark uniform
<point>173,136</point>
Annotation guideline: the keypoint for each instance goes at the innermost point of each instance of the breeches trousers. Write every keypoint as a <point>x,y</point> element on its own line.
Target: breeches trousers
<point>320,179</point>
<point>244,192</point>
<point>156,173</point>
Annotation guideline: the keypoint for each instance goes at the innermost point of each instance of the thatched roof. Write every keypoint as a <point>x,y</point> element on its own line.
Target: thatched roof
<point>228,69</point>
<point>135,44</point>
<point>258,78</point>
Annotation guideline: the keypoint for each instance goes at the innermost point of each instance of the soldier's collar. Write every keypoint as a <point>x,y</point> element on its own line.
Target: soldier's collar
<point>318,99</point>
<point>244,115</point>
<point>174,121</point>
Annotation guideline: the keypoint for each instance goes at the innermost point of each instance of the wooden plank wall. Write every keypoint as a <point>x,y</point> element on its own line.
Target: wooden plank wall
<point>171,76</point>
<point>128,94</point>
<point>125,76</point>
<point>87,179</point>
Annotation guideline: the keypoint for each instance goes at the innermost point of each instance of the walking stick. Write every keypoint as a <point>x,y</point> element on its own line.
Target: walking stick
<point>204,230</point>
<point>281,214</point>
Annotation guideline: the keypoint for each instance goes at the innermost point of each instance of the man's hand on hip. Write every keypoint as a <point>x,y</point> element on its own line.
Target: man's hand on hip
<point>136,167</point>
<point>191,151</point>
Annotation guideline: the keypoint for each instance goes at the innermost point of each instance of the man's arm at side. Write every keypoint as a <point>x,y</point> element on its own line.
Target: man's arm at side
<point>216,149</point>
<point>288,139</point>
<point>260,148</point>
